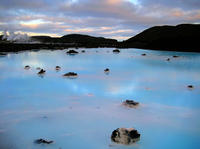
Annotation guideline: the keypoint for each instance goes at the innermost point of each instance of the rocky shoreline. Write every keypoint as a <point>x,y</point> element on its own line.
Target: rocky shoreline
<point>16,47</point>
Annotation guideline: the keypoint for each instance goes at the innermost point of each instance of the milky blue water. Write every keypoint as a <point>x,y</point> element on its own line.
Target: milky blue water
<point>83,112</point>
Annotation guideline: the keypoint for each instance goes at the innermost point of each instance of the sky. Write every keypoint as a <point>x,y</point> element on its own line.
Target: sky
<point>118,19</point>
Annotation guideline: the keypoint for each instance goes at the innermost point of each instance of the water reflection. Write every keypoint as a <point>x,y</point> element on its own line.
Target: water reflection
<point>82,112</point>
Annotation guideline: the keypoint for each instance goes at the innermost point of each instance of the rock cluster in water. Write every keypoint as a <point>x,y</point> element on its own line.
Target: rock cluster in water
<point>130,103</point>
<point>106,70</point>
<point>71,75</point>
<point>27,67</point>
<point>116,51</point>
<point>175,56</point>
<point>42,71</point>
<point>43,141</point>
<point>190,86</point>
<point>125,136</point>
<point>143,54</point>
<point>72,52</point>
<point>58,68</point>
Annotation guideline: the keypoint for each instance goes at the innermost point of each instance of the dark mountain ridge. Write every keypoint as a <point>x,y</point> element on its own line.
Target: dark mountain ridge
<point>75,38</point>
<point>183,37</point>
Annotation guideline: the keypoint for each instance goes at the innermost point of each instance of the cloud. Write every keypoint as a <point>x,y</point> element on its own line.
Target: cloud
<point>122,18</point>
<point>185,4</point>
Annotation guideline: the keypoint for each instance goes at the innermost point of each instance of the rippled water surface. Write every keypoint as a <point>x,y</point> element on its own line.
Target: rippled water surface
<point>83,112</point>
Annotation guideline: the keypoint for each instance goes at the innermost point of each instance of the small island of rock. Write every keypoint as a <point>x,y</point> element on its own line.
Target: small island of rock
<point>125,136</point>
<point>130,103</point>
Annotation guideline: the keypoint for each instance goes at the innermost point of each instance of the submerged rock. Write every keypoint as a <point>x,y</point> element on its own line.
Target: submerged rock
<point>71,75</point>
<point>125,136</point>
<point>43,141</point>
<point>190,86</point>
<point>116,51</point>
<point>27,67</point>
<point>168,59</point>
<point>130,103</point>
<point>143,54</point>
<point>58,68</point>
<point>72,52</point>
<point>175,56</point>
<point>42,71</point>
<point>107,70</point>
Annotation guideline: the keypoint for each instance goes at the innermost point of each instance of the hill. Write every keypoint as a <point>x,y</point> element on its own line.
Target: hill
<point>81,40</point>
<point>183,37</point>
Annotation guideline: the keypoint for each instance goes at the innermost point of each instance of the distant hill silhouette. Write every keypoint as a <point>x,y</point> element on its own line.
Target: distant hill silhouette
<point>183,37</point>
<point>79,39</point>
<point>67,41</point>
<point>45,39</point>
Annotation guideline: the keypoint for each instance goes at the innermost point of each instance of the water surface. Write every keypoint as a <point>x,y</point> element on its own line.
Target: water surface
<point>83,112</point>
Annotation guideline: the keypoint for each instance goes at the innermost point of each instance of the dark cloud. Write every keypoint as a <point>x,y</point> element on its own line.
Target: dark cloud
<point>109,18</point>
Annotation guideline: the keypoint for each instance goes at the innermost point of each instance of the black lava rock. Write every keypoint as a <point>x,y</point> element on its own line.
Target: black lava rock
<point>58,68</point>
<point>190,86</point>
<point>72,52</point>
<point>71,75</point>
<point>116,51</point>
<point>106,70</point>
<point>125,136</point>
<point>42,71</point>
<point>27,67</point>
<point>143,54</point>
<point>130,103</point>
<point>43,141</point>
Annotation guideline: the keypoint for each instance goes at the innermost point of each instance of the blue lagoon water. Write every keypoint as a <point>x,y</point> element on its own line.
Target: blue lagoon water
<point>83,112</point>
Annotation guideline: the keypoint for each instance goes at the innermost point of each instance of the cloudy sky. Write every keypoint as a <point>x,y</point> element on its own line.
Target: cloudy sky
<point>119,19</point>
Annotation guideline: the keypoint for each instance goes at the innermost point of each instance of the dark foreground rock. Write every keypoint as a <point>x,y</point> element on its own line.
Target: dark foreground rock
<point>42,71</point>
<point>130,103</point>
<point>143,54</point>
<point>72,52</point>
<point>27,67</point>
<point>107,70</point>
<point>71,75</point>
<point>58,68</point>
<point>175,56</point>
<point>125,136</point>
<point>43,141</point>
<point>190,86</point>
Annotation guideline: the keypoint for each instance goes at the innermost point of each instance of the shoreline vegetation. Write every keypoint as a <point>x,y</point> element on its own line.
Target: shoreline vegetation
<point>183,37</point>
